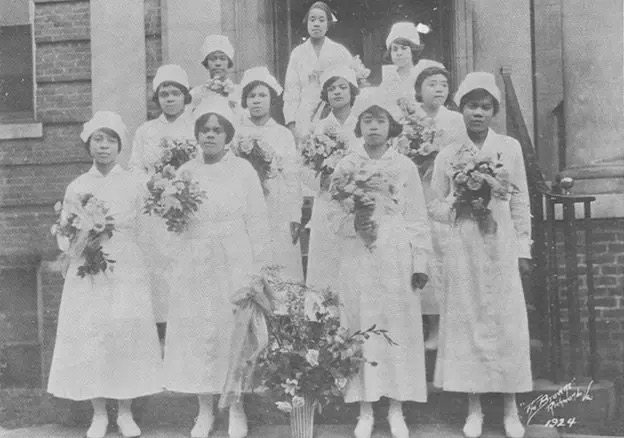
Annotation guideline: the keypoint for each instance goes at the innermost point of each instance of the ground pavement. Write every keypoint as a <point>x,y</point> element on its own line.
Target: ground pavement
<point>322,431</point>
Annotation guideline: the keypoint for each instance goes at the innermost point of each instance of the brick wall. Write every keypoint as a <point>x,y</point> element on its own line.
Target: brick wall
<point>608,273</point>
<point>34,174</point>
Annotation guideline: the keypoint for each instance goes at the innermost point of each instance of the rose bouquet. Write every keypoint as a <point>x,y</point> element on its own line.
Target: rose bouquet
<point>173,198</point>
<point>175,153</point>
<point>321,152</point>
<point>309,361</point>
<point>83,225</point>
<point>417,141</point>
<point>260,154</point>
<point>476,181</point>
<point>220,86</point>
<point>365,190</point>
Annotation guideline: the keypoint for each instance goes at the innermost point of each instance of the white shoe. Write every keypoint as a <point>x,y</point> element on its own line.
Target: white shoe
<point>513,427</point>
<point>474,426</point>
<point>99,425</point>
<point>364,427</point>
<point>398,428</point>
<point>127,426</point>
<point>238,424</point>
<point>203,426</point>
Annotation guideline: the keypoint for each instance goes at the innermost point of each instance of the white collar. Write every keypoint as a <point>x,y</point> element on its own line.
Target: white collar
<point>114,171</point>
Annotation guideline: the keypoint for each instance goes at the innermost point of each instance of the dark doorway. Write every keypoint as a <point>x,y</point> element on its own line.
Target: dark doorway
<point>363,26</point>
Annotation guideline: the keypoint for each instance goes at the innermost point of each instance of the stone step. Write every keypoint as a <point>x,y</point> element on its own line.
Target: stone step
<point>322,431</point>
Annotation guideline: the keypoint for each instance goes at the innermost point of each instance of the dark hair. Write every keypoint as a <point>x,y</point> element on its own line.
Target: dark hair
<point>253,84</point>
<point>426,73</point>
<point>329,82</point>
<point>478,94</point>
<point>323,7</point>
<point>395,127</point>
<point>182,88</point>
<point>276,101</point>
<point>205,61</point>
<point>107,131</point>
<point>223,122</point>
<point>416,50</point>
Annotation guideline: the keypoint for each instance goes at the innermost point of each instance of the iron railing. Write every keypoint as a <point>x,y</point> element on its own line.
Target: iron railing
<point>548,230</point>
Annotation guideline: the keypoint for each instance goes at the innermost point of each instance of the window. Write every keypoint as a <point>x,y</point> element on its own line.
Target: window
<point>16,61</point>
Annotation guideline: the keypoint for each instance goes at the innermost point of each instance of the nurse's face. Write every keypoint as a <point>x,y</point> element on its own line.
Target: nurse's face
<point>103,147</point>
<point>317,23</point>
<point>211,137</point>
<point>435,90</point>
<point>171,100</point>
<point>218,64</point>
<point>339,94</point>
<point>478,114</point>
<point>401,55</point>
<point>375,127</point>
<point>259,101</point>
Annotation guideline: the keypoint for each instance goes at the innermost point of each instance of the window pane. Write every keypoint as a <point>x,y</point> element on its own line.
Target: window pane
<point>16,76</point>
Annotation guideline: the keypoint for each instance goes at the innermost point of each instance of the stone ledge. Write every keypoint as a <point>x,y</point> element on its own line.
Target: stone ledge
<point>10,131</point>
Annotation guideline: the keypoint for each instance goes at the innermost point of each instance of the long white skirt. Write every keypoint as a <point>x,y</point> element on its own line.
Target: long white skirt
<point>155,242</point>
<point>324,248</point>
<point>208,271</point>
<point>484,334</point>
<point>107,344</point>
<point>375,289</point>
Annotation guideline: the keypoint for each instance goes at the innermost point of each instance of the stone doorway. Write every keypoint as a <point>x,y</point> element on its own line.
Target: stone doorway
<point>363,26</point>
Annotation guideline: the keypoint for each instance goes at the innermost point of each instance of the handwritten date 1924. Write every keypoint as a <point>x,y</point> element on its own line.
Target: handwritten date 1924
<point>561,422</point>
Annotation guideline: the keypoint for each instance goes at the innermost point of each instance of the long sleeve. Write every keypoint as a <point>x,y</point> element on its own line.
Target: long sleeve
<point>292,88</point>
<point>292,169</point>
<point>440,209</point>
<point>519,202</point>
<point>417,221</point>
<point>256,219</point>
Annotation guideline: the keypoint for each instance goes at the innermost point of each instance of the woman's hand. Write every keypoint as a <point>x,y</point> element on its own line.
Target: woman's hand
<point>419,280</point>
<point>295,230</point>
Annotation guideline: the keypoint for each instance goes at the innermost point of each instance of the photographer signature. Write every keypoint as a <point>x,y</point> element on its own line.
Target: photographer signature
<point>560,398</point>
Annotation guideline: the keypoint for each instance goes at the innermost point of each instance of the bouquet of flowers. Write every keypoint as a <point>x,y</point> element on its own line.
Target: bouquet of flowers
<point>363,190</point>
<point>82,226</point>
<point>361,72</point>
<point>476,181</point>
<point>417,141</point>
<point>311,360</point>
<point>322,151</point>
<point>220,86</point>
<point>260,154</point>
<point>175,153</point>
<point>173,198</point>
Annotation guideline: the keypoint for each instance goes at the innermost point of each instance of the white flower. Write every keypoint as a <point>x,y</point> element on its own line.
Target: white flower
<point>58,207</point>
<point>284,406</point>
<point>341,383</point>
<point>312,356</point>
<point>54,229</point>
<point>291,386</point>
<point>298,402</point>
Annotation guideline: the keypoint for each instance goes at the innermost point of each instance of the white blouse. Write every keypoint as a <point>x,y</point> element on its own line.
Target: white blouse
<point>302,88</point>
<point>146,147</point>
